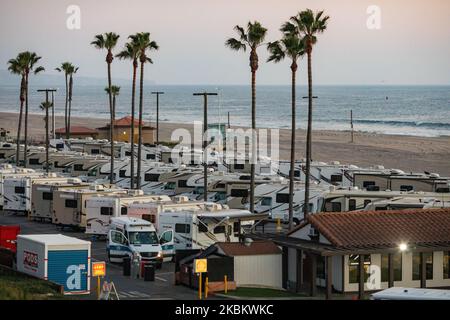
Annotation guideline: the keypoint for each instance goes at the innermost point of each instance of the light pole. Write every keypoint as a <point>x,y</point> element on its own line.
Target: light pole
<point>46,124</point>
<point>205,128</point>
<point>157,114</point>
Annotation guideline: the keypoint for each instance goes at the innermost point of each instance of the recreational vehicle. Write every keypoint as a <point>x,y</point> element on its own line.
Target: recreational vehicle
<point>15,173</point>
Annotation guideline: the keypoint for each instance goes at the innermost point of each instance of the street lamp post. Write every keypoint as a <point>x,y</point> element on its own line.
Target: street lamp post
<point>157,114</point>
<point>205,128</point>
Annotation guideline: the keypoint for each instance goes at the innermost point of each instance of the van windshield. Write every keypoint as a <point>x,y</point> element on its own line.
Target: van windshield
<point>143,237</point>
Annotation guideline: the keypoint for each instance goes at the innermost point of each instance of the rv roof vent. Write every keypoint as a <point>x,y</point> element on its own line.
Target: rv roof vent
<point>96,187</point>
<point>332,188</point>
<point>182,167</point>
<point>52,175</point>
<point>248,242</point>
<point>135,192</point>
<point>434,175</point>
<point>74,180</point>
<point>210,170</point>
<point>212,206</point>
<point>379,167</point>
<point>397,171</point>
<point>180,199</point>
<point>335,163</point>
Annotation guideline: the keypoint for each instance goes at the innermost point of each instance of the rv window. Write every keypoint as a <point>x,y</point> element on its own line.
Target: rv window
<point>78,167</point>
<point>446,265</point>
<point>123,211</point>
<point>239,193</point>
<point>170,160</point>
<point>406,188</point>
<point>47,196</point>
<point>220,196</point>
<point>336,178</point>
<point>373,188</point>
<point>202,227</point>
<point>169,186</point>
<point>60,146</point>
<point>351,204</point>
<point>2,156</point>
<point>199,190</point>
<point>182,228</point>
<point>92,173</point>
<point>266,201</point>
<point>128,153</point>
<point>366,202</point>
<point>219,229</point>
<point>182,183</point>
<point>443,190</point>
<point>336,207</point>
<point>397,267</point>
<point>33,161</point>
<point>428,257</point>
<point>282,198</point>
<point>296,173</point>
<point>353,267</point>
<point>166,237</point>
<point>220,186</point>
<point>368,183</point>
<point>70,203</point>
<point>151,177</point>
<point>122,173</point>
<point>19,190</point>
<point>247,178</point>
<point>106,211</point>
<point>95,151</point>
<point>239,166</point>
<point>151,156</point>
<point>236,227</point>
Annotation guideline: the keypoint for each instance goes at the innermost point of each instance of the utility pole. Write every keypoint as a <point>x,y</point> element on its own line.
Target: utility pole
<point>157,114</point>
<point>53,115</point>
<point>351,123</point>
<point>46,125</point>
<point>205,128</point>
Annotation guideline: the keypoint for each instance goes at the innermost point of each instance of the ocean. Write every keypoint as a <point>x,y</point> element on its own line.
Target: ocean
<point>400,110</point>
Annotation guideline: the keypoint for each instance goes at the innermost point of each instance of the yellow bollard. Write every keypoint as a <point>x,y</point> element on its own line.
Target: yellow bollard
<point>98,287</point>
<point>206,287</point>
<point>200,286</point>
<point>279,228</point>
<point>225,284</point>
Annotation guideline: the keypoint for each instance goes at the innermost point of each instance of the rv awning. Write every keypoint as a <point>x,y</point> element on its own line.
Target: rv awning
<point>242,215</point>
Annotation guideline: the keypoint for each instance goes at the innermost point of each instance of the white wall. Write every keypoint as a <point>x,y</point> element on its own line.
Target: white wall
<point>258,270</point>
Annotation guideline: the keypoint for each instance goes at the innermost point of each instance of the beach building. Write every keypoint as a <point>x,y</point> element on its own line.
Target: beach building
<point>122,131</point>
<point>79,132</point>
<point>401,248</point>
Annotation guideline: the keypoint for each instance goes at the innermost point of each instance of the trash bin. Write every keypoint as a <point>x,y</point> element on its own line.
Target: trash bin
<point>149,272</point>
<point>126,266</point>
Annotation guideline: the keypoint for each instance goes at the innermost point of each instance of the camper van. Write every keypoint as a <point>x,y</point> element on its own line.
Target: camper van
<point>42,197</point>
<point>400,203</point>
<point>18,190</point>
<point>10,172</point>
<point>69,205</point>
<point>198,229</point>
<point>100,210</point>
<point>128,236</point>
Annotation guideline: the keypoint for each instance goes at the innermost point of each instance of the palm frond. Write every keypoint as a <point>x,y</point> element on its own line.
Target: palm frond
<point>235,44</point>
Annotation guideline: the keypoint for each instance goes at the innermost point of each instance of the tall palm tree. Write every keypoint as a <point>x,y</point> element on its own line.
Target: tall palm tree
<point>72,71</point>
<point>46,106</point>
<point>291,46</point>
<point>131,52</point>
<point>66,67</point>
<point>108,41</point>
<point>115,90</point>
<point>30,59</point>
<point>144,44</point>
<point>16,66</point>
<point>251,38</point>
<point>308,24</point>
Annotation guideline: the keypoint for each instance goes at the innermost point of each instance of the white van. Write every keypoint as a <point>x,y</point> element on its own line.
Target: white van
<point>129,236</point>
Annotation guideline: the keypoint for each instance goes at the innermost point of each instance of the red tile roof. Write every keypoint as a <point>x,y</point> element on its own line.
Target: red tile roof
<point>126,122</point>
<point>255,248</point>
<point>384,228</point>
<point>77,130</point>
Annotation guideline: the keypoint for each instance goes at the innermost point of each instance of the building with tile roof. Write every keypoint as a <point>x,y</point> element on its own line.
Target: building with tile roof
<point>77,132</point>
<point>122,131</point>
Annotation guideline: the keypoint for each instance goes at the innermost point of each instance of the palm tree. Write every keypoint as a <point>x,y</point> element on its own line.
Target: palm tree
<point>29,60</point>
<point>144,44</point>
<point>72,70</point>
<point>108,41</point>
<point>252,37</point>
<point>115,90</point>
<point>307,24</point>
<point>16,66</point>
<point>291,46</point>
<point>131,52</point>
<point>66,67</point>
<point>46,106</point>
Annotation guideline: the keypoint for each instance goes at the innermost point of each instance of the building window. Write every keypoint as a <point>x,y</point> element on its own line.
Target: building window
<point>47,196</point>
<point>397,267</point>
<point>428,256</point>
<point>446,263</point>
<point>321,267</point>
<point>70,203</point>
<point>19,190</point>
<point>182,228</point>
<point>353,267</point>
<point>106,211</point>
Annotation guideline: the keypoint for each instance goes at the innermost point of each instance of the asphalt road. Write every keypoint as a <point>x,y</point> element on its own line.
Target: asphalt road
<point>128,289</point>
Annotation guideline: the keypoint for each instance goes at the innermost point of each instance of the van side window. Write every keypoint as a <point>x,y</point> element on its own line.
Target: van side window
<point>106,211</point>
<point>182,228</point>
<point>19,190</point>
<point>70,203</point>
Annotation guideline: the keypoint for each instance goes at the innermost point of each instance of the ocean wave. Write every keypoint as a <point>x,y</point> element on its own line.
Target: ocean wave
<point>397,123</point>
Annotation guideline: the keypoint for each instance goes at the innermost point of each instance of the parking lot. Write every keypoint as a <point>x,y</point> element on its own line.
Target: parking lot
<point>137,289</point>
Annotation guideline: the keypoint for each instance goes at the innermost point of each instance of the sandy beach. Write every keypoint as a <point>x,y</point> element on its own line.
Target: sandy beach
<point>409,153</point>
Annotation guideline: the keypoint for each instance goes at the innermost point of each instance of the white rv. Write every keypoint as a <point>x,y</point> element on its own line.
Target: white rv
<point>130,236</point>
<point>11,172</point>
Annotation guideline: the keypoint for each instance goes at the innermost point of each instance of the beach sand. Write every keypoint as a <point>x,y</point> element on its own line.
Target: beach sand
<point>409,153</point>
